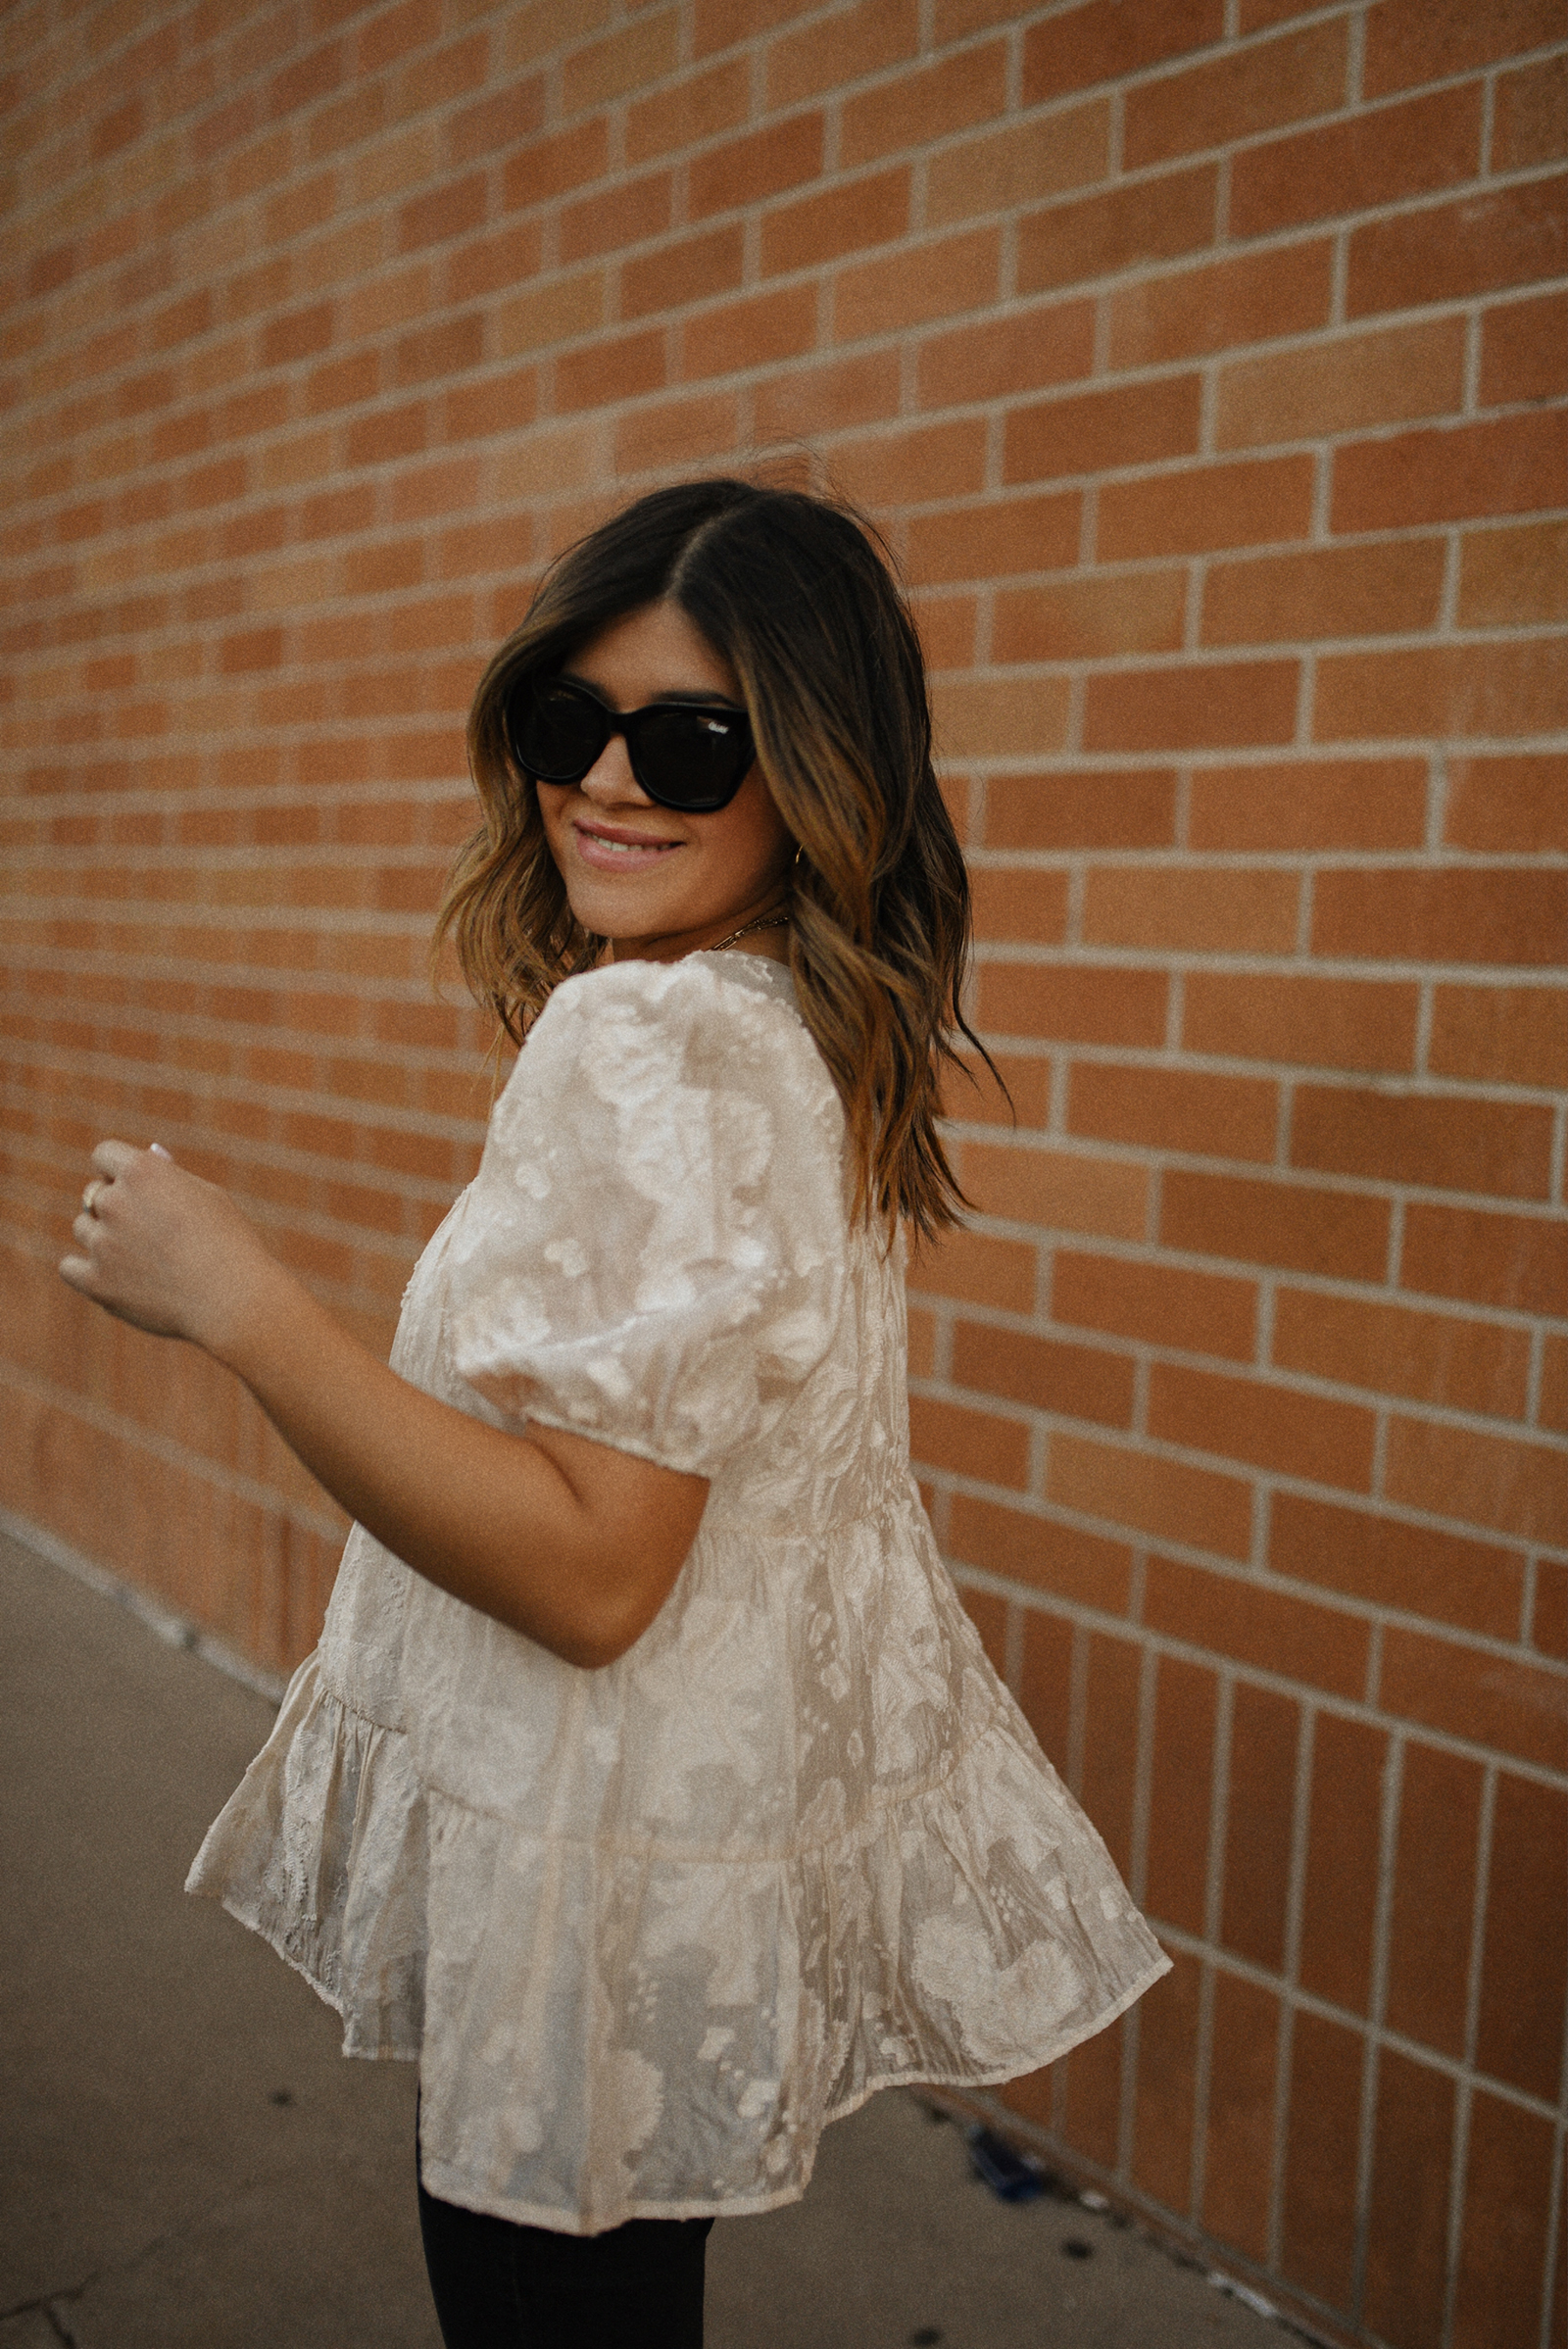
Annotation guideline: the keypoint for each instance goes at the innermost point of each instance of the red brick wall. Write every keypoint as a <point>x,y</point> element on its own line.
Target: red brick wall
<point>1201,358</point>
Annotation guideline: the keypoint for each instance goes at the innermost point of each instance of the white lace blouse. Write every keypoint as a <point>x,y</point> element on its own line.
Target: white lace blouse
<point>647,1929</point>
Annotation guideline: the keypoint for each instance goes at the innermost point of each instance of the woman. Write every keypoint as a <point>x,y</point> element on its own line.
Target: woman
<point>650,1786</point>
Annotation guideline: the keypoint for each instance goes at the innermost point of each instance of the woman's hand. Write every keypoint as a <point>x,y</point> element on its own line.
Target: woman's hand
<point>166,1250</point>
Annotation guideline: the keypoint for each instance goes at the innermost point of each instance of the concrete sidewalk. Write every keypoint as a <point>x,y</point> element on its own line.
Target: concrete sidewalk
<point>188,2163</point>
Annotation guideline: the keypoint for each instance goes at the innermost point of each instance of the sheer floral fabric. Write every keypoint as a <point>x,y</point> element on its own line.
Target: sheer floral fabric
<point>647,1929</point>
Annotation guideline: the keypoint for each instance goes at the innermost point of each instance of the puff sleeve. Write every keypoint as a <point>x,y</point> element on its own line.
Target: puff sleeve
<point>654,1250</point>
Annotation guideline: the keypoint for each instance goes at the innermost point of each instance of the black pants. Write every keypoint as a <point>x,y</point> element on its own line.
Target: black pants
<point>498,2285</point>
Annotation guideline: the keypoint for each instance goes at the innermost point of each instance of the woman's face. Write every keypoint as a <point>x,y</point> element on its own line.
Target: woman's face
<point>657,883</point>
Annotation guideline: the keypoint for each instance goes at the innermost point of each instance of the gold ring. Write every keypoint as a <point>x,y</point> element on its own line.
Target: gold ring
<point>90,1198</point>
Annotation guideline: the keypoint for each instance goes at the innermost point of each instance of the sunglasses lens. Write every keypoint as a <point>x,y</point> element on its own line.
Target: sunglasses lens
<point>557,730</point>
<point>692,759</point>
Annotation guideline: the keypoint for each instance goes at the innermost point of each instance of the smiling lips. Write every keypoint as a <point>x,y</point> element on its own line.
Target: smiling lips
<point>612,848</point>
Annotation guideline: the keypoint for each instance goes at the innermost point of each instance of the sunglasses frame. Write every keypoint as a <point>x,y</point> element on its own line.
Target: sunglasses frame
<point>628,724</point>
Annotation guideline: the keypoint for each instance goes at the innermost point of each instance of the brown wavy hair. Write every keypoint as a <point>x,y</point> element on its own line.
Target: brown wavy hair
<point>796,593</point>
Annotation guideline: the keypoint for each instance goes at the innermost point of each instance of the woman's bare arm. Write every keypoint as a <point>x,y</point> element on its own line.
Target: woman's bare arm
<point>571,1541</point>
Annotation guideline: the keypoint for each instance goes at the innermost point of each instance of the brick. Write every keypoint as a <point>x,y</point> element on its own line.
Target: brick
<point>862,40</point>
<point>1073,1004</point>
<point>1239,2140</point>
<point>1234,97</point>
<point>1515,465</point>
<point>1380,590</point>
<point>1269,1427</point>
<point>1524,351</point>
<point>1359,164</point>
<point>1411,42</point>
<point>847,218</point>
<point>1501,1035</point>
<point>1119,810</point>
<point>1449,691</point>
<point>1163,2113</point>
<point>980,1269</point>
<point>756,166</point>
<point>1090,619</point>
<point>675,433</point>
<point>1429,1942</point>
<point>1391,1350</point>
<point>1159,1304</point>
<point>1338,385</point>
<point>1525,1952</point>
<point>719,23</point>
<point>1407,2234</point>
<point>1075,1382</point>
<point>999,717</point>
<point>919,465</point>
<point>1553,1405</point>
<point>1514,577</point>
<point>1004,169</point>
<point>681,114</point>
<point>1171,1499</point>
<point>1085,237</point>
<point>1506,2229</point>
<point>1507,806</point>
<point>919,282</point>
<point>994,538</point>
<point>1513,915</point>
<point>1210,1116</point>
<point>1221,306</point>
<point>1044,1683</point>
<point>1093,432</point>
<point>616,368</point>
<point>969,1443</point>
<point>1313,1023</point>
<point>1442,1140</point>
<point>827,398</point>
<point>1265,1731</point>
<point>924,103</point>
<point>1110,1747</point>
<point>1548,1630</point>
<point>452,347</point>
<point>1451,252</point>
<point>1310,804</point>
<point>1511,1260</point>
<point>1510,1707</point>
<point>629,213</point>
<point>980,1101</point>
<point>989,1615</point>
<point>1530,115</point>
<point>446,212</point>
<point>1339,1892</point>
<point>1205,506</point>
<point>545,168</point>
<point>1205,910</point>
<point>494,125</point>
<point>1509,1485</point>
<point>637,53</point>
<point>1214,705</point>
<point>1179,1801</point>
<point>690,270</point>
<point>1091,2119</point>
<point>1019,906</point>
<point>1104,39</point>
<point>1320,2218</point>
<point>1063,1190</point>
<point>1058,1558</point>
<point>991,359</point>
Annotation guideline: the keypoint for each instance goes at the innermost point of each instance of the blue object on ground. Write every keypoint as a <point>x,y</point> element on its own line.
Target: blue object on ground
<point>1010,2177</point>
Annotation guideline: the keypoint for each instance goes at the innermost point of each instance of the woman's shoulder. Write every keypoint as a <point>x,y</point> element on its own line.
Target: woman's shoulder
<point>731,1019</point>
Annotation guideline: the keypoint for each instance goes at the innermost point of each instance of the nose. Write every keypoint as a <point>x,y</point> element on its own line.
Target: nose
<point>610,779</point>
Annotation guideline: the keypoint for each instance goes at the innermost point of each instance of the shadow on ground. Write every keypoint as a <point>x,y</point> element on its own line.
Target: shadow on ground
<point>187,2161</point>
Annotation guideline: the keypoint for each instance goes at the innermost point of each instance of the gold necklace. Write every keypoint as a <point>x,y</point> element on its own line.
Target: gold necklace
<point>764,921</point>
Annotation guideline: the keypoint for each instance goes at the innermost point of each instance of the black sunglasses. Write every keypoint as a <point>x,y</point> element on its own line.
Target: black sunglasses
<point>685,754</point>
